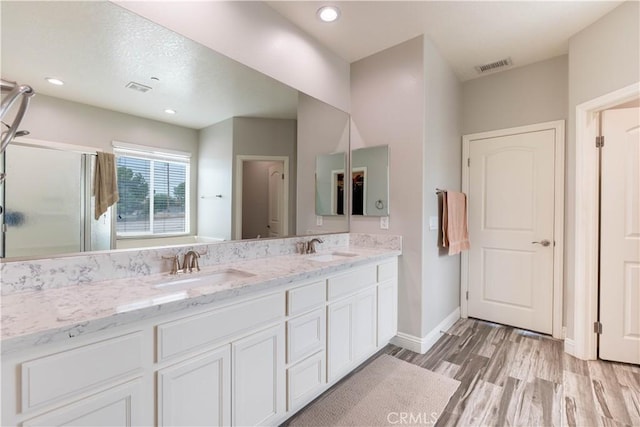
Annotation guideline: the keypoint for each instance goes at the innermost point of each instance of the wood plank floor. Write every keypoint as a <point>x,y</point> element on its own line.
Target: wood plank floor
<point>511,377</point>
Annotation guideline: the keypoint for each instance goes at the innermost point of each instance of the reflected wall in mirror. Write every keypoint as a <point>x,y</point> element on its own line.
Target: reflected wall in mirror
<point>226,113</point>
<point>370,181</point>
<point>331,196</point>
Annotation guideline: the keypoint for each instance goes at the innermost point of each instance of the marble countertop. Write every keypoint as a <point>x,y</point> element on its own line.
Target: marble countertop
<point>32,318</point>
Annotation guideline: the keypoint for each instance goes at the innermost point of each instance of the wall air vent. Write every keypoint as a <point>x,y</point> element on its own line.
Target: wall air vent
<point>138,87</point>
<point>494,66</point>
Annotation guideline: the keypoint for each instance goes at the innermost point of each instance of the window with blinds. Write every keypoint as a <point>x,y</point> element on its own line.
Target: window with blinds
<point>154,191</point>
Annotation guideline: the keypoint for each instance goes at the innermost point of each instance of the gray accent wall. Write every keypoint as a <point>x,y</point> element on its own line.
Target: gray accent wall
<point>521,96</point>
<point>442,169</point>
<point>409,98</point>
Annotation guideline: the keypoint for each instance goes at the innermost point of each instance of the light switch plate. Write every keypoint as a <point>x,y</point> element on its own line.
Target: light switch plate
<point>433,223</point>
<point>384,222</point>
<point>318,220</point>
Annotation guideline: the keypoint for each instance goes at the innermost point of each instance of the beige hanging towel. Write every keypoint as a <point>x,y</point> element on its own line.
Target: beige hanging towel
<point>455,231</point>
<point>105,184</point>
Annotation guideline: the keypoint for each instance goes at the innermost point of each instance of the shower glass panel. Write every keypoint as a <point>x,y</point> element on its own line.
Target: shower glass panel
<point>43,215</point>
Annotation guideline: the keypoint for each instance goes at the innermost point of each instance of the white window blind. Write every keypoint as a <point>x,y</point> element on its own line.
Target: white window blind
<point>154,191</point>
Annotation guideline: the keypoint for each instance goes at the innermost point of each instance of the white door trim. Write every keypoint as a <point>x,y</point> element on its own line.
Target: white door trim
<point>558,220</point>
<point>585,303</point>
<point>240,159</point>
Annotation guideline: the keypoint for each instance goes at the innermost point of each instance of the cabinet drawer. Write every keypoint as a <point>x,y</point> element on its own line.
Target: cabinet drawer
<point>117,406</point>
<point>305,380</point>
<point>52,378</point>
<point>305,335</point>
<point>388,270</point>
<point>306,298</point>
<point>350,282</point>
<point>192,332</point>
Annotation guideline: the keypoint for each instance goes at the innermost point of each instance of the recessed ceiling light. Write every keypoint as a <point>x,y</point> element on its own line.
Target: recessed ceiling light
<point>328,13</point>
<point>54,81</point>
<point>170,111</point>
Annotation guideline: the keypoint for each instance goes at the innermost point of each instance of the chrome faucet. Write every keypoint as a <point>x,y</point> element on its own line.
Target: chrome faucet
<point>311,248</point>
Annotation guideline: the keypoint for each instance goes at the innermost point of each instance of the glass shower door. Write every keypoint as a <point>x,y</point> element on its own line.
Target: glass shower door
<point>44,203</point>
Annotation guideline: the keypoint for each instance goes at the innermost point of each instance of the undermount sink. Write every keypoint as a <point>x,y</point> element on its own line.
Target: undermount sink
<point>204,279</point>
<point>331,256</point>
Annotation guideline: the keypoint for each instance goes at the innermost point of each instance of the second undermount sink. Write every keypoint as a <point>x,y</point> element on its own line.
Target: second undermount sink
<point>203,279</point>
<point>331,256</point>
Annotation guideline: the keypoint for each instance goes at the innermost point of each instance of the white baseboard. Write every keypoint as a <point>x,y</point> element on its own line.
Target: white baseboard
<point>570,346</point>
<point>422,345</point>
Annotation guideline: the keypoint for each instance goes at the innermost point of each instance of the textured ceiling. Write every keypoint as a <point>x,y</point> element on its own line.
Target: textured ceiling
<point>467,33</point>
<point>96,48</point>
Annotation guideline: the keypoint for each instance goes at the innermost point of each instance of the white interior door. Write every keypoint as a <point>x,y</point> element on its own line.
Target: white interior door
<point>620,236</point>
<point>511,228</point>
<point>276,201</point>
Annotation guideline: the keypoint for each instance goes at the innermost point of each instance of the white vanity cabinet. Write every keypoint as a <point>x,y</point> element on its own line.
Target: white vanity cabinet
<point>93,382</point>
<point>252,360</point>
<point>119,406</point>
<point>259,378</point>
<point>196,392</point>
<point>306,343</point>
<point>387,301</point>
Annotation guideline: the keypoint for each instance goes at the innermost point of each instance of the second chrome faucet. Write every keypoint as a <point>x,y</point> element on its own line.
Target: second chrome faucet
<point>309,247</point>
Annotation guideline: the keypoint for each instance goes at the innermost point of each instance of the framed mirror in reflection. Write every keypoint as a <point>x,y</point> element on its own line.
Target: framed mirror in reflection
<point>125,72</point>
<point>370,181</point>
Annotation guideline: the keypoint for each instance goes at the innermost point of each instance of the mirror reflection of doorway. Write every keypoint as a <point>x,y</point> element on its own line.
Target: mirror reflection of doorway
<point>338,193</point>
<point>264,204</point>
<point>359,191</point>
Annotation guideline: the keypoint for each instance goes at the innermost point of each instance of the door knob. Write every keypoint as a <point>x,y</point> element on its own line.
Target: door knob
<point>544,243</point>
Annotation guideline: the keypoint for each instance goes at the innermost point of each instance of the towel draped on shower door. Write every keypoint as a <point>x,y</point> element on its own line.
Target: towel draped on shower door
<point>105,184</point>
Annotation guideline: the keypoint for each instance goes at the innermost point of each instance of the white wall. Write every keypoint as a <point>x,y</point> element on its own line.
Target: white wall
<point>534,93</point>
<point>322,129</point>
<point>215,161</point>
<point>268,137</point>
<point>58,120</point>
<point>603,57</point>
<point>256,35</point>
<point>441,169</point>
<point>388,108</point>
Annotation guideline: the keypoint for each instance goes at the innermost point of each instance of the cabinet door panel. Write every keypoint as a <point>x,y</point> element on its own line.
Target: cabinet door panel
<point>196,392</point>
<point>364,324</point>
<point>258,378</point>
<point>387,311</point>
<point>340,341</point>
<point>305,335</point>
<point>119,406</point>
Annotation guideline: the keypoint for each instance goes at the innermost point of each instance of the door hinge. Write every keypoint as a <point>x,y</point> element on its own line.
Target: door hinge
<point>597,327</point>
<point>599,141</point>
<point>283,177</point>
<point>468,161</point>
<point>4,228</point>
<point>467,296</point>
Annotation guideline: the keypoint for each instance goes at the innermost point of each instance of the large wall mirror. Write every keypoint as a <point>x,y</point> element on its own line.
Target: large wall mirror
<point>370,181</point>
<point>250,142</point>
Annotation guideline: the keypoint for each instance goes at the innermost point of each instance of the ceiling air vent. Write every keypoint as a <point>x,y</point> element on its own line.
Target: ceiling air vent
<point>494,66</point>
<point>138,86</point>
